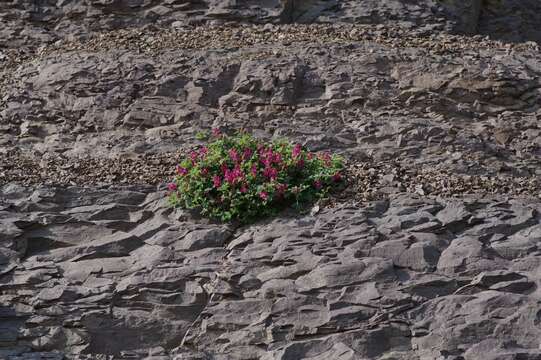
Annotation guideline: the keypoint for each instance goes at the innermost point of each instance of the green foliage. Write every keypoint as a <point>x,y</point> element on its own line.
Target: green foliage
<point>201,135</point>
<point>242,178</point>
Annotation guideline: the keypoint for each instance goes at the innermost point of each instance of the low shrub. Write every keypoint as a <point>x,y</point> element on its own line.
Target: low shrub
<point>242,178</point>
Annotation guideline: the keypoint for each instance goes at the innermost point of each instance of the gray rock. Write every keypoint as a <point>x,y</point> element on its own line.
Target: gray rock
<point>101,96</point>
<point>205,238</point>
<point>337,283</point>
<point>338,275</point>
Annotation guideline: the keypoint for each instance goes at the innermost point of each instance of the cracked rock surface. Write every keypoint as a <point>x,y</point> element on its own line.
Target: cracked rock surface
<point>117,272</point>
<point>432,252</point>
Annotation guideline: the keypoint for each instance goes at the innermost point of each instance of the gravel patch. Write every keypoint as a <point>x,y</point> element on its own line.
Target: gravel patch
<point>367,181</point>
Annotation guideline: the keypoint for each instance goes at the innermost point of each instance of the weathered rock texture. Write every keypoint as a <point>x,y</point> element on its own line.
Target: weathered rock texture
<point>432,253</point>
<point>466,107</point>
<point>46,20</point>
<point>116,272</point>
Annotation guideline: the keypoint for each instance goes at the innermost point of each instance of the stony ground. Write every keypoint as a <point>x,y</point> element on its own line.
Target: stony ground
<point>432,252</point>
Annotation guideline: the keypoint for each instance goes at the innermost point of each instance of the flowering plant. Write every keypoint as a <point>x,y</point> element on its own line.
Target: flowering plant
<point>242,178</point>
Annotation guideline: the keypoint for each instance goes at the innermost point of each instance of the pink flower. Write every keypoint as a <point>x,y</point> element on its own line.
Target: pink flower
<point>204,171</point>
<point>247,153</point>
<point>263,195</point>
<point>296,151</point>
<point>234,155</point>
<point>233,175</point>
<point>318,184</point>
<point>266,157</point>
<point>238,172</point>
<point>172,186</point>
<point>181,171</point>
<point>243,188</point>
<point>216,132</point>
<point>217,181</point>
<point>203,151</point>
<point>253,170</point>
<point>337,177</point>
<point>266,161</point>
<point>229,176</point>
<point>270,173</point>
<point>276,158</point>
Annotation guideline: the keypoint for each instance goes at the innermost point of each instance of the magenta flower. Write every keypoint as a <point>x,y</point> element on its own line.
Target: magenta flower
<point>243,188</point>
<point>203,151</point>
<point>296,151</point>
<point>276,158</point>
<point>266,161</point>
<point>337,177</point>
<point>172,186</point>
<point>229,176</point>
<point>263,195</point>
<point>253,170</point>
<point>238,172</point>
<point>193,157</point>
<point>247,153</point>
<point>233,175</point>
<point>216,132</point>
<point>234,155</point>
<point>270,173</point>
<point>318,185</point>
<point>217,181</point>
<point>181,171</point>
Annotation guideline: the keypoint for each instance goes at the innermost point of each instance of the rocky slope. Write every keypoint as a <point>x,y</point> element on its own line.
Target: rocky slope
<point>432,252</point>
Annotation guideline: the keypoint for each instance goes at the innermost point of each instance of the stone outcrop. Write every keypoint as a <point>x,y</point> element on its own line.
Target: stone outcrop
<point>48,20</point>
<point>117,272</point>
<point>466,109</point>
<point>432,252</point>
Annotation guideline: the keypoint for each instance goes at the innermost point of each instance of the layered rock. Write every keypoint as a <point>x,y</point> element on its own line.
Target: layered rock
<point>38,22</point>
<point>115,272</point>
<point>428,102</point>
<point>431,253</point>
